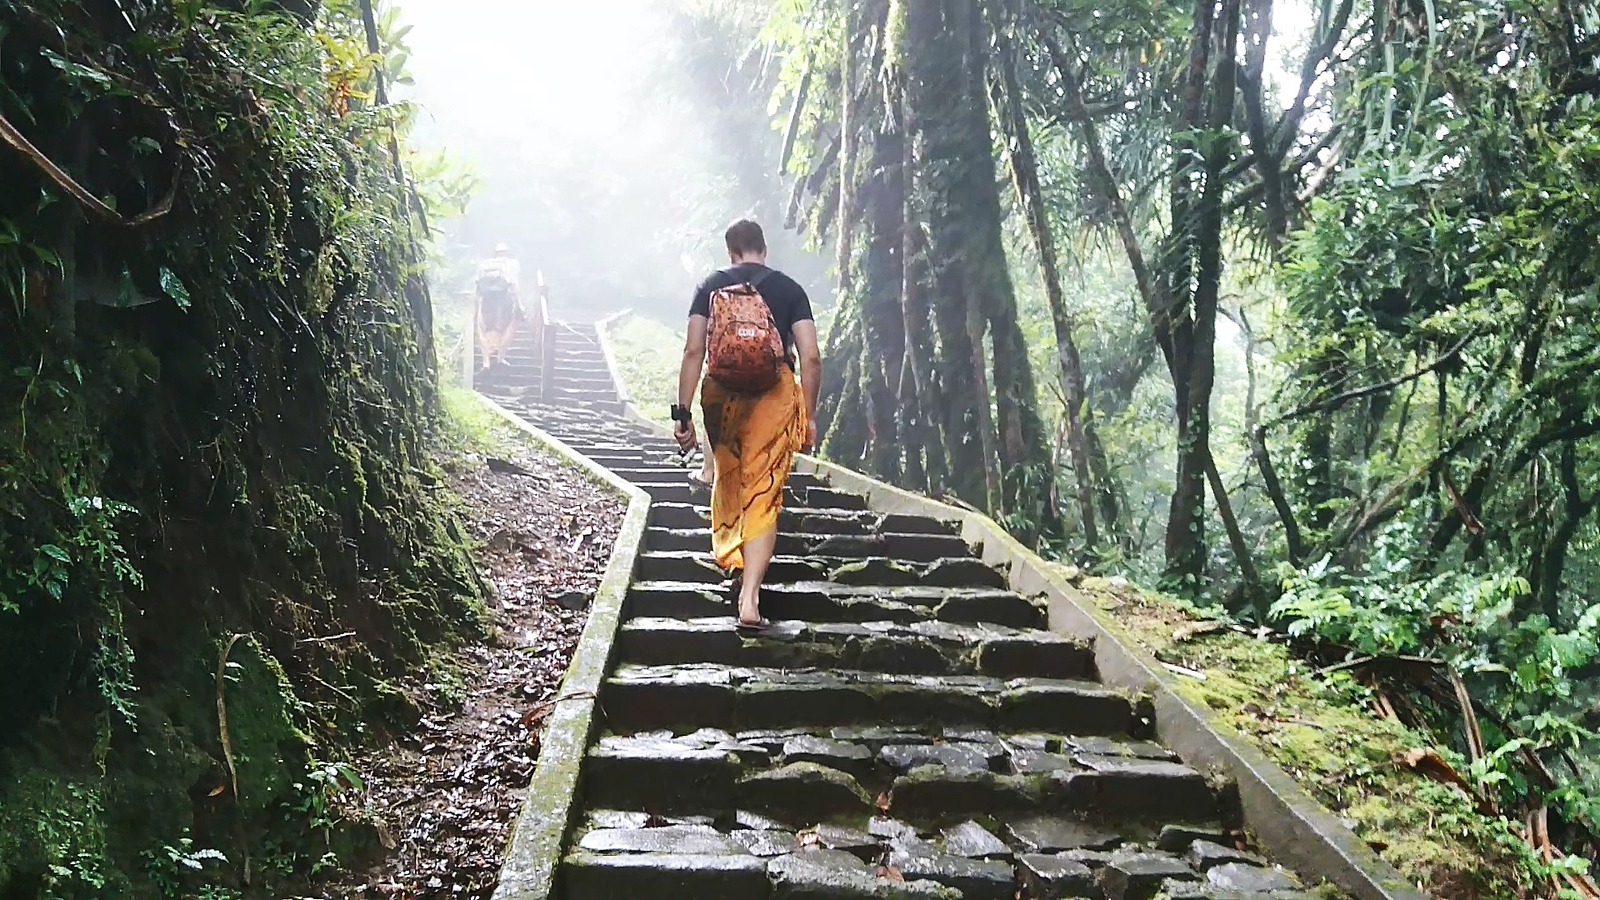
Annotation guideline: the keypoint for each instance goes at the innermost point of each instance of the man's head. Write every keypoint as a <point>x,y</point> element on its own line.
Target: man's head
<point>746,243</point>
<point>502,250</point>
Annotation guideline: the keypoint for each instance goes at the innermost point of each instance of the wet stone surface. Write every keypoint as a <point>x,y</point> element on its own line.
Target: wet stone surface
<point>1050,876</point>
<point>1206,855</point>
<point>1052,835</point>
<point>973,840</point>
<point>841,755</point>
<point>976,879</point>
<point>1247,878</point>
<point>952,757</point>
<point>1139,876</point>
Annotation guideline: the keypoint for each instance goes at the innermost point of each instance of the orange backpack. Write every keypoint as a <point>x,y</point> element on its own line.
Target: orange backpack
<point>744,352</point>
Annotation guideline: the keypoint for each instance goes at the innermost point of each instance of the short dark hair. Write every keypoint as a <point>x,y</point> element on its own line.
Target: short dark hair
<point>744,236</point>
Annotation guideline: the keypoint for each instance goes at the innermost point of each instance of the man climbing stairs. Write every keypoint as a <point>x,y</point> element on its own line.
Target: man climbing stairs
<point>906,729</point>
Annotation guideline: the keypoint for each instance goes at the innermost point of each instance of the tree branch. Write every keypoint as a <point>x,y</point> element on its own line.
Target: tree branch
<point>76,191</point>
<point>1339,400</point>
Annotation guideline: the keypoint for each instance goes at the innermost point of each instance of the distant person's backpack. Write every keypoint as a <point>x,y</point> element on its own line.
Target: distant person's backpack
<point>744,352</point>
<point>493,278</point>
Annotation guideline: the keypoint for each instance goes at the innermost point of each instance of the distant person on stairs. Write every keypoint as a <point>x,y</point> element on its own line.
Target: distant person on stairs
<point>499,310</point>
<point>747,324</point>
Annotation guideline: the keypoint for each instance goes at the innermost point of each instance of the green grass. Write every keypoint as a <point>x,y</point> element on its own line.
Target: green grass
<point>648,355</point>
<point>470,426</point>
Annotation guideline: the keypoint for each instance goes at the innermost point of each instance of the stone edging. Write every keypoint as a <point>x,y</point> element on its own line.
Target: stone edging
<point>1287,822</point>
<point>630,410</point>
<point>533,854</point>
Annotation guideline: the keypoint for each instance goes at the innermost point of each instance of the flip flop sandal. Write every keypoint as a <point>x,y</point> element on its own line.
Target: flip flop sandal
<point>698,485</point>
<point>756,627</point>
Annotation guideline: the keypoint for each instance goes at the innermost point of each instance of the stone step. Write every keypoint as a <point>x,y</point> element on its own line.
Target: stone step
<point>876,571</point>
<point>645,698</point>
<point>922,647</point>
<point>1011,854</point>
<point>915,548</point>
<point>600,400</point>
<point>673,474</point>
<point>585,370</point>
<point>811,521</point>
<point>823,602</point>
<point>612,444</point>
<point>954,774</point>
<point>815,498</point>
<point>624,440</point>
<point>583,379</point>
<point>576,356</point>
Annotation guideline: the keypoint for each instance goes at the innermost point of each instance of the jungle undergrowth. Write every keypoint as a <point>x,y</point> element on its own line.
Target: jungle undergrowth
<point>1324,731</point>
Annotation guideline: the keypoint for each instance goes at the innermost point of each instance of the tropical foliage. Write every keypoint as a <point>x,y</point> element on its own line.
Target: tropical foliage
<point>215,386</point>
<point>1292,305</point>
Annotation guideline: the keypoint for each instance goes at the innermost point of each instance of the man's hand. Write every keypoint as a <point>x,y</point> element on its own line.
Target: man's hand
<point>684,432</point>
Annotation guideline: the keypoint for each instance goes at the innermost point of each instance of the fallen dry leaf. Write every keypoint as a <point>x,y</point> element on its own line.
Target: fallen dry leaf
<point>890,873</point>
<point>1429,764</point>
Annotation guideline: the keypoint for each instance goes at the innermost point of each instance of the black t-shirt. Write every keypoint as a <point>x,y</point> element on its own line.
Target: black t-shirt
<point>784,296</point>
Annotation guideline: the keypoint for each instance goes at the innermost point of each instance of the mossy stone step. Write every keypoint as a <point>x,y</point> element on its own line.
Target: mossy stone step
<point>925,647</point>
<point>642,698</point>
<point>691,566</point>
<point>916,548</point>
<point>806,778</point>
<point>809,521</point>
<point>825,602</point>
<point>679,491</point>
<point>799,481</point>
<point>663,876</point>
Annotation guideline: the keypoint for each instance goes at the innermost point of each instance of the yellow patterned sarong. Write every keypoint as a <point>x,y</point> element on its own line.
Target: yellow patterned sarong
<point>754,438</point>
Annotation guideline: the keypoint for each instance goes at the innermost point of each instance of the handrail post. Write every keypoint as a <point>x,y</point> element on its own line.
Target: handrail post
<point>547,344</point>
<point>469,365</point>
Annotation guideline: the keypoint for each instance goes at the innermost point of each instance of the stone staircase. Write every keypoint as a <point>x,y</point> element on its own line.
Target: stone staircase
<point>907,729</point>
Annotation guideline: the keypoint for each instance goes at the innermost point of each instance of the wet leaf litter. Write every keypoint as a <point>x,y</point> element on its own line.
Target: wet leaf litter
<point>442,799</point>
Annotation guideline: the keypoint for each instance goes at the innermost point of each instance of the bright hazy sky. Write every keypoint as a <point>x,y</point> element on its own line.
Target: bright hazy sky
<point>514,69</point>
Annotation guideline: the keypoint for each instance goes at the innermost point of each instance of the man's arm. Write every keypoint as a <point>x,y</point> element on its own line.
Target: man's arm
<point>694,359</point>
<point>805,344</point>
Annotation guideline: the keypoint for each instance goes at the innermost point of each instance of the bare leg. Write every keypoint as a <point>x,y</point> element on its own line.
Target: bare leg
<point>484,348</point>
<point>708,465</point>
<point>505,342</point>
<point>757,554</point>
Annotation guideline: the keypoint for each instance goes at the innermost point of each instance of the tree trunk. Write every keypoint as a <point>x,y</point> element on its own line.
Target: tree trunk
<point>921,434</point>
<point>1025,177</point>
<point>931,56</point>
<point>1551,560</point>
<point>948,62</point>
<point>846,442</point>
<point>879,286</point>
<point>847,151</point>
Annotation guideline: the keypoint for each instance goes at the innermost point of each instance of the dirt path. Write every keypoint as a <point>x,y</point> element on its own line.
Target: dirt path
<point>447,794</point>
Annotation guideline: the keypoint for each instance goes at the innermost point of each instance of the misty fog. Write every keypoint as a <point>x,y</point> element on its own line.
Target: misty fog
<point>614,140</point>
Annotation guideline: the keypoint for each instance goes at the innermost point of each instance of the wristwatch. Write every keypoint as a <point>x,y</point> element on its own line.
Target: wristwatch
<point>682,415</point>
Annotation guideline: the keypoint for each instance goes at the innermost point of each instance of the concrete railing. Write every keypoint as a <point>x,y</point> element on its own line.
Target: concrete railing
<point>537,839</point>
